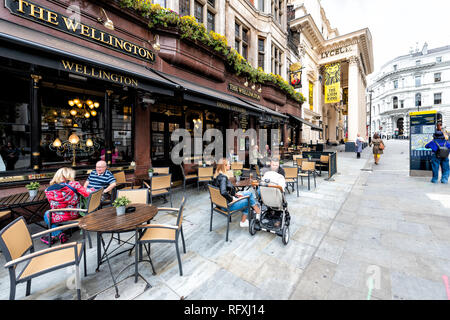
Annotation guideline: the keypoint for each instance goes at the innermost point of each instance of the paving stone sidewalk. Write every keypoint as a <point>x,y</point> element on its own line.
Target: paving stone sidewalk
<point>377,229</point>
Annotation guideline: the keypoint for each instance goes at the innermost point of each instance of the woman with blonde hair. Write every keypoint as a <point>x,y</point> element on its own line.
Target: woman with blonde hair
<point>228,191</point>
<point>64,192</point>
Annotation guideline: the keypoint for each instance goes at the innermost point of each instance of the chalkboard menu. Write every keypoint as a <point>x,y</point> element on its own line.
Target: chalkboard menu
<point>422,128</point>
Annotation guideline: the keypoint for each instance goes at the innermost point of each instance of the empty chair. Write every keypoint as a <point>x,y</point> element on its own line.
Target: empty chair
<point>16,241</point>
<point>291,176</point>
<point>299,162</point>
<point>308,170</point>
<point>160,185</point>
<point>187,177</point>
<point>237,166</point>
<point>161,170</point>
<point>139,196</point>
<point>295,157</point>
<point>323,164</point>
<point>122,182</point>
<point>161,233</point>
<point>204,175</point>
<point>219,204</point>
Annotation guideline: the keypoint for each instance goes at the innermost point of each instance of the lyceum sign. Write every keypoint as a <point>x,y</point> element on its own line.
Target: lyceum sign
<point>42,15</point>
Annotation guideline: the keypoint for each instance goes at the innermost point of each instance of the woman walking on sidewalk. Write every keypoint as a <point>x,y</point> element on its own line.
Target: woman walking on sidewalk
<point>378,147</point>
<point>359,146</point>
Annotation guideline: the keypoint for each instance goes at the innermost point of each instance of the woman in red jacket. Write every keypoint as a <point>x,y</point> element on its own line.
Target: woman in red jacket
<point>64,192</point>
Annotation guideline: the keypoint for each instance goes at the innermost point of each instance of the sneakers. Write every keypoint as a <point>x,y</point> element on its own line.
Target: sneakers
<point>245,224</point>
<point>63,238</point>
<point>45,240</point>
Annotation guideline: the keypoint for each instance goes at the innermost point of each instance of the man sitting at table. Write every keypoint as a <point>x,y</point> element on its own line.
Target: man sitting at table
<point>275,167</point>
<point>101,177</point>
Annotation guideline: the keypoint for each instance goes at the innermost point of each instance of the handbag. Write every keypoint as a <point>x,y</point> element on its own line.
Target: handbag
<point>381,146</point>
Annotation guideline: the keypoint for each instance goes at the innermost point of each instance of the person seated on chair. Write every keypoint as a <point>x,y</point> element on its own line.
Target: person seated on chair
<point>101,177</point>
<point>228,191</point>
<point>64,192</point>
<point>275,167</point>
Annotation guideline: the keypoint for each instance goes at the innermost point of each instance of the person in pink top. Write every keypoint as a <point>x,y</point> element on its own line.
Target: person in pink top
<point>64,192</point>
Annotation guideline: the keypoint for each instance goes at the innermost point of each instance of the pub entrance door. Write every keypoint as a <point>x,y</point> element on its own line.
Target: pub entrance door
<point>162,127</point>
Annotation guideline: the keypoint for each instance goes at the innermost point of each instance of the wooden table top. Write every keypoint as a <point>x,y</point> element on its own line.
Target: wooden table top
<point>17,200</point>
<point>106,220</point>
<point>241,184</point>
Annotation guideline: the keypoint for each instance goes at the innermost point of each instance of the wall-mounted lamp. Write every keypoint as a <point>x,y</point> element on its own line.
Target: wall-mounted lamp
<point>260,89</point>
<point>108,23</point>
<point>246,82</point>
<point>253,87</point>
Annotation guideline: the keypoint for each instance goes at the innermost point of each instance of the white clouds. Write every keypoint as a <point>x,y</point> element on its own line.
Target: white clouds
<point>396,25</point>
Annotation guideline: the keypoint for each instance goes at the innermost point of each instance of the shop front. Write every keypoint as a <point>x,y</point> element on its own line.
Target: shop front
<point>75,92</point>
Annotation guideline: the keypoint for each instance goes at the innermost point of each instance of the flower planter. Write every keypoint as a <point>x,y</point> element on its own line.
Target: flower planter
<point>150,175</point>
<point>120,211</point>
<point>238,178</point>
<point>32,193</point>
<point>273,94</point>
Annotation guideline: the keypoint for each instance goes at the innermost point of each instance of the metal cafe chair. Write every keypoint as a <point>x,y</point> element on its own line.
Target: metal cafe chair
<point>291,176</point>
<point>308,170</point>
<point>16,241</point>
<point>299,162</point>
<point>161,170</point>
<point>237,166</point>
<point>139,196</point>
<point>160,233</point>
<point>323,163</point>
<point>205,174</point>
<point>122,182</point>
<point>187,177</point>
<point>219,204</point>
<point>160,185</point>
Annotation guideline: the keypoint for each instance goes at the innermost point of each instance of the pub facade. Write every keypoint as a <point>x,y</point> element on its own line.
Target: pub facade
<point>91,81</point>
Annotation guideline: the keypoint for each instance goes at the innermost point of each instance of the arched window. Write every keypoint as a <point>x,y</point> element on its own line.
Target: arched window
<point>395,102</point>
<point>418,100</point>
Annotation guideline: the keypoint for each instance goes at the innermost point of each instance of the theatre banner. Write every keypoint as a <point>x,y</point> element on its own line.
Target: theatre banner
<point>333,83</point>
<point>311,96</point>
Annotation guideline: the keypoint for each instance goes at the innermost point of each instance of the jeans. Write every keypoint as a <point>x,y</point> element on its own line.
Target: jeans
<point>47,221</point>
<point>442,163</point>
<point>243,204</point>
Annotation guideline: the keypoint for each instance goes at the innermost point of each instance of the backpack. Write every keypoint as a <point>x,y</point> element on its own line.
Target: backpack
<point>442,152</point>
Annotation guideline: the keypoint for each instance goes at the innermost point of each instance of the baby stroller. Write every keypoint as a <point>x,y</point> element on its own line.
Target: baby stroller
<point>275,217</point>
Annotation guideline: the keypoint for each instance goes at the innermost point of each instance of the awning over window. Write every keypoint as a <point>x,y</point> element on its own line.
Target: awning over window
<point>309,124</point>
<point>19,43</point>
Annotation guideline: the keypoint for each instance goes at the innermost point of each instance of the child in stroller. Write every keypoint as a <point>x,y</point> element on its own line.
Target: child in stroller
<point>275,217</point>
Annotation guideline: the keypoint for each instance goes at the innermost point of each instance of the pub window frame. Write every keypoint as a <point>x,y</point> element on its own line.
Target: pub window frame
<point>437,77</point>
<point>438,98</point>
<point>198,17</point>
<point>184,7</point>
<point>277,60</point>
<point>261,53</point>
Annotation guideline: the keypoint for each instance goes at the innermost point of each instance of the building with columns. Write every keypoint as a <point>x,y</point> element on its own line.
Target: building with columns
<point>321,44</point>
<point>418,81</point>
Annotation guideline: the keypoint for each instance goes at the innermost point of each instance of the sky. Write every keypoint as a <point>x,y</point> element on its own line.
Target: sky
<point>395,25</point>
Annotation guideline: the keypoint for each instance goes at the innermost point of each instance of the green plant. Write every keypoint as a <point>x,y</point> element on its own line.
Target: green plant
<point>190,29</point>
<point>237,173</point>
<point>33,186</point>
<point>121,202</point>
<point>150,170</point>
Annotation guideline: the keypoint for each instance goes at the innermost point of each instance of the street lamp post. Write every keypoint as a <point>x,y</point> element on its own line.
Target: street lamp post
<point>370,117</point>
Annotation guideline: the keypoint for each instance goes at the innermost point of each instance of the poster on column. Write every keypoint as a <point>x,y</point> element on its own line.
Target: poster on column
<point>333,83</point>
<point>311,96</point>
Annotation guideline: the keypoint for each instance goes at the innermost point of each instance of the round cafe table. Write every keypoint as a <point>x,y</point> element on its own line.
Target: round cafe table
<point>107,221</point>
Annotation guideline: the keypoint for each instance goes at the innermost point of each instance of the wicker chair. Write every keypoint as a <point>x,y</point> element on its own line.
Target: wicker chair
<point>160,185</point>
<point>308,170</point>
<point>158,233</point>
<point>291,176</point>
<point>219,204</point>
<point>205,175</point>
<point>16,241</point>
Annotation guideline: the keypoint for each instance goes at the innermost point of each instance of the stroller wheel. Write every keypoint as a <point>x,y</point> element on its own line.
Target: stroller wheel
<point>285,236</point>
<point>252,227</point>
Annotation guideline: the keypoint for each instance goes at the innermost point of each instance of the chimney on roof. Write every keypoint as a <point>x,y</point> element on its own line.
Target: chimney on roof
<point>425,49</point>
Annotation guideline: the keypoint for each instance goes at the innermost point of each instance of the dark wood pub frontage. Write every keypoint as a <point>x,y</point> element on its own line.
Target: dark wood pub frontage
<point>74,91</point>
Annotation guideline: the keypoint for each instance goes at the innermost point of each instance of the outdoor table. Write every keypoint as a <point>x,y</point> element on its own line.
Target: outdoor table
<point>242,184</point>
<point>22,201</point>
<point>107,221</point>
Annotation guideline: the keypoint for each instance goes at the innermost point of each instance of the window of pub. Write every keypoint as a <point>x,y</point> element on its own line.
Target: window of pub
<point>122,123</point>
<point>73,129</point>
<point>15,121</point>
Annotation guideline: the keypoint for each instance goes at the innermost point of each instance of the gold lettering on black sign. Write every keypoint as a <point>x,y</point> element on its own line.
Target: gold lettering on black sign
<point>98,73</point>
<point>42,15</point>
<point>243,91</point>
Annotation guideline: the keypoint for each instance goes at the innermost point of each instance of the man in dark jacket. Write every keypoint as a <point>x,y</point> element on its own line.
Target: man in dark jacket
<point>436,162</point>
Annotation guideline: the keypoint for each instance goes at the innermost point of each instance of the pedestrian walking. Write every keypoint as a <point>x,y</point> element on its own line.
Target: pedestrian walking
<point>378,148</point>
<point>359,146</point>
<point>439,158</point>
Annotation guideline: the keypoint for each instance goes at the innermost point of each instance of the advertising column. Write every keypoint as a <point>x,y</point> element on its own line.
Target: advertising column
<point>422,128</point>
